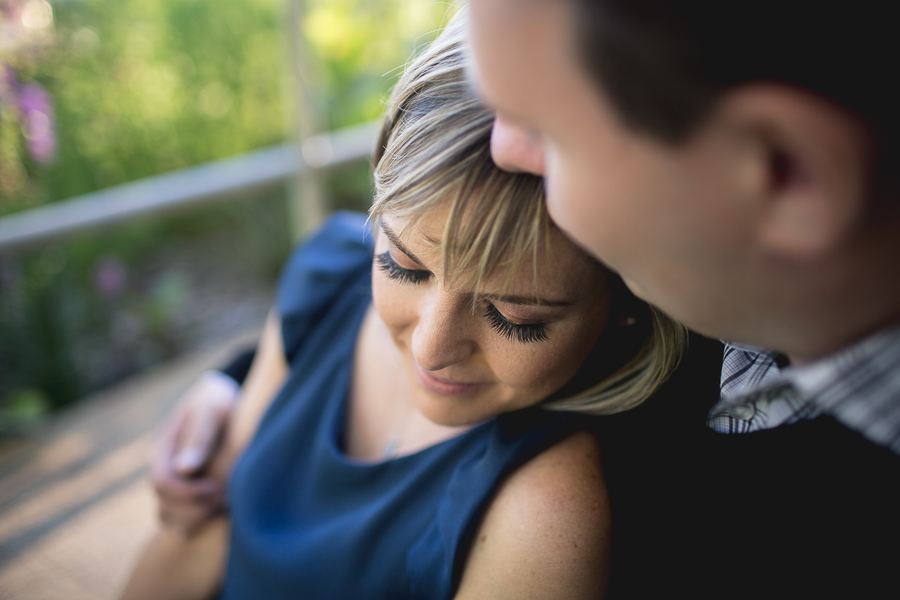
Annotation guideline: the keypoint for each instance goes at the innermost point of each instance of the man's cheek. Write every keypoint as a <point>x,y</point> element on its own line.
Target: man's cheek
<point>565,206</point>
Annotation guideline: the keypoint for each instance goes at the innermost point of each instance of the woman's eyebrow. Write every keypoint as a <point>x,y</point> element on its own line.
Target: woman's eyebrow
<point>526,300</point>
<point>396,242</point>
<point>506,299</point>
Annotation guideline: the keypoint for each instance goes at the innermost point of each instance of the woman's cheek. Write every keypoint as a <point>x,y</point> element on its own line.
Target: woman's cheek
<point>533,369</point>
<point>396,305</point>
<point>555,364</point>
<point>385,305</point>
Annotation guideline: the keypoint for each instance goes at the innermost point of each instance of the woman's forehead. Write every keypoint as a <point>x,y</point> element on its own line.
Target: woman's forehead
<point>560,274</point>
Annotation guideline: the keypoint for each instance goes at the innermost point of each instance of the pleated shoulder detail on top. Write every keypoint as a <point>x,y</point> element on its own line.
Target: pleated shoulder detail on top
<point>319,270</point>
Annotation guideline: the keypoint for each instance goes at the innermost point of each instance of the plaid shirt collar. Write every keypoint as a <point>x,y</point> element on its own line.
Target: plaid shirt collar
<point>858,386</point>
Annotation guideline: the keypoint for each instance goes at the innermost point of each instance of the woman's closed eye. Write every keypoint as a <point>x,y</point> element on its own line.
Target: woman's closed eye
<point>520,332</point>
<point>388,266</point>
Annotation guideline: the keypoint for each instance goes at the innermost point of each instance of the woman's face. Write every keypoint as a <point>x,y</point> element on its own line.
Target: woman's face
<point>512,351</point>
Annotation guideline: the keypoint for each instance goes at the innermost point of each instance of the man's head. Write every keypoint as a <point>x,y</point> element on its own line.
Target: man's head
<point>724,162</point>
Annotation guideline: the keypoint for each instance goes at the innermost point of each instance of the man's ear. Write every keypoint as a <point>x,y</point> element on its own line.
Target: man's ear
<point>814,161</point>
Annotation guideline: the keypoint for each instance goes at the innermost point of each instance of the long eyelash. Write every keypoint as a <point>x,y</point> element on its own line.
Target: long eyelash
<point>394,271</point>
<point>533,332</point>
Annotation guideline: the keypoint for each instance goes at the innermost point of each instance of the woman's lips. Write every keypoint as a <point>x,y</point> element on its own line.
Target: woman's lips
<point>442,387</point>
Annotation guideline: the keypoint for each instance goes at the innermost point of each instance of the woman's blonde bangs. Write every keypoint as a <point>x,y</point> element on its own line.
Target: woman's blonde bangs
<point>433,154</point>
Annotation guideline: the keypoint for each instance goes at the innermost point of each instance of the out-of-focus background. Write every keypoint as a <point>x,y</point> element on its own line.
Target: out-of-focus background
<point>158,159</point>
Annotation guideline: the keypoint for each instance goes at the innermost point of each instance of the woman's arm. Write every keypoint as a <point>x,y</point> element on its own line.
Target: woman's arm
<point>547,532</point>
<point>185,493</point>
<point>266,376</point>
<point>174,567</point>
<point>190,568</point>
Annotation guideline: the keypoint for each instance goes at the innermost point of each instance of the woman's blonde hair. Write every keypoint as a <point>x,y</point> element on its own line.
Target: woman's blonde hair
<point>434,151</point>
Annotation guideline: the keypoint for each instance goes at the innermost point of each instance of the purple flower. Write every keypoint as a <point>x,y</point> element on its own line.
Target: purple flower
<point>110,277</point>
<point>38,124</point>
<point>8,82</point>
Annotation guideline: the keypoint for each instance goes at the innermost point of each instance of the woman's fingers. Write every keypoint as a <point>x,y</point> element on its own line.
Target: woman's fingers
<point>187,495</point>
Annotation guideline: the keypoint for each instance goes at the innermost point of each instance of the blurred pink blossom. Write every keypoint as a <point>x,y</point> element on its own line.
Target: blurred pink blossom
<point>110,277</point>
<point>38,124</point>
<point>8,82</point>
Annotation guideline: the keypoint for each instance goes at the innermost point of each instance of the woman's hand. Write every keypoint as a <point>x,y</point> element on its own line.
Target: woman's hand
<point>176,567</point>
<point>546,534</point>
<point>197,436</point>
<point>188,497</point>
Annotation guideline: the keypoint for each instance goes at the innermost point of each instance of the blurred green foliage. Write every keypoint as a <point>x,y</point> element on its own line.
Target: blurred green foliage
<point>142,87</point>
<point>23,410</point>
<point>147,86</point>
<point>360,47</point>
<point>80,314</point>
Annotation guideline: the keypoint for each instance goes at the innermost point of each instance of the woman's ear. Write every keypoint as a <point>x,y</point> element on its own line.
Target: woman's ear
<point>624,320</point>
<point>814,162</point>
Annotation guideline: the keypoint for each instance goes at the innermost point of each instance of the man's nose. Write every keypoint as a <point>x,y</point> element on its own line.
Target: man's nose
<point>442,336</point>
<point>516,148</point>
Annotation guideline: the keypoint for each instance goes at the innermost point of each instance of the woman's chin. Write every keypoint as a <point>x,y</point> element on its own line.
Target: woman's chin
<point>450,412</point>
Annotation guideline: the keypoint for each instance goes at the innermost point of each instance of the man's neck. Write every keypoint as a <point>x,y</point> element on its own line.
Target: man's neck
<point>825,307</point>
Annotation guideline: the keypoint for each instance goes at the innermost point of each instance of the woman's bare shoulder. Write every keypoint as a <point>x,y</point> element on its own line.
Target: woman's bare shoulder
<point>546,533</point>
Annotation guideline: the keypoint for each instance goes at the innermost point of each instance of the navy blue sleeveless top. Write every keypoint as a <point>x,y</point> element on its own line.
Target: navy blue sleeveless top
<point>308,521</point>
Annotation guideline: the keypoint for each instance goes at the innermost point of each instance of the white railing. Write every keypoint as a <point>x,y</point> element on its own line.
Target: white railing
<point>209,182</point>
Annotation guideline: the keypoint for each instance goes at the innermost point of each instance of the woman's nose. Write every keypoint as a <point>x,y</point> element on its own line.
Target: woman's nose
<point>442,336</point>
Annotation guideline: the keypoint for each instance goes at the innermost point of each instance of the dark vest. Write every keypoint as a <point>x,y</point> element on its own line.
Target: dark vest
<point>808,510</point>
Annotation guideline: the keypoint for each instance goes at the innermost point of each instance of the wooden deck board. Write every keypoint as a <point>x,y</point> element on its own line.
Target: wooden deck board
<point>75,505</point>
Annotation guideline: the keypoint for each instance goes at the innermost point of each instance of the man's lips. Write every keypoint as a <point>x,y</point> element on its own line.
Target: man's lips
<point>443,387</point>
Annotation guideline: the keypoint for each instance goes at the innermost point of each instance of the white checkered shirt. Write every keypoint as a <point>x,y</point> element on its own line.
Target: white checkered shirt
<point>858,386</point>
